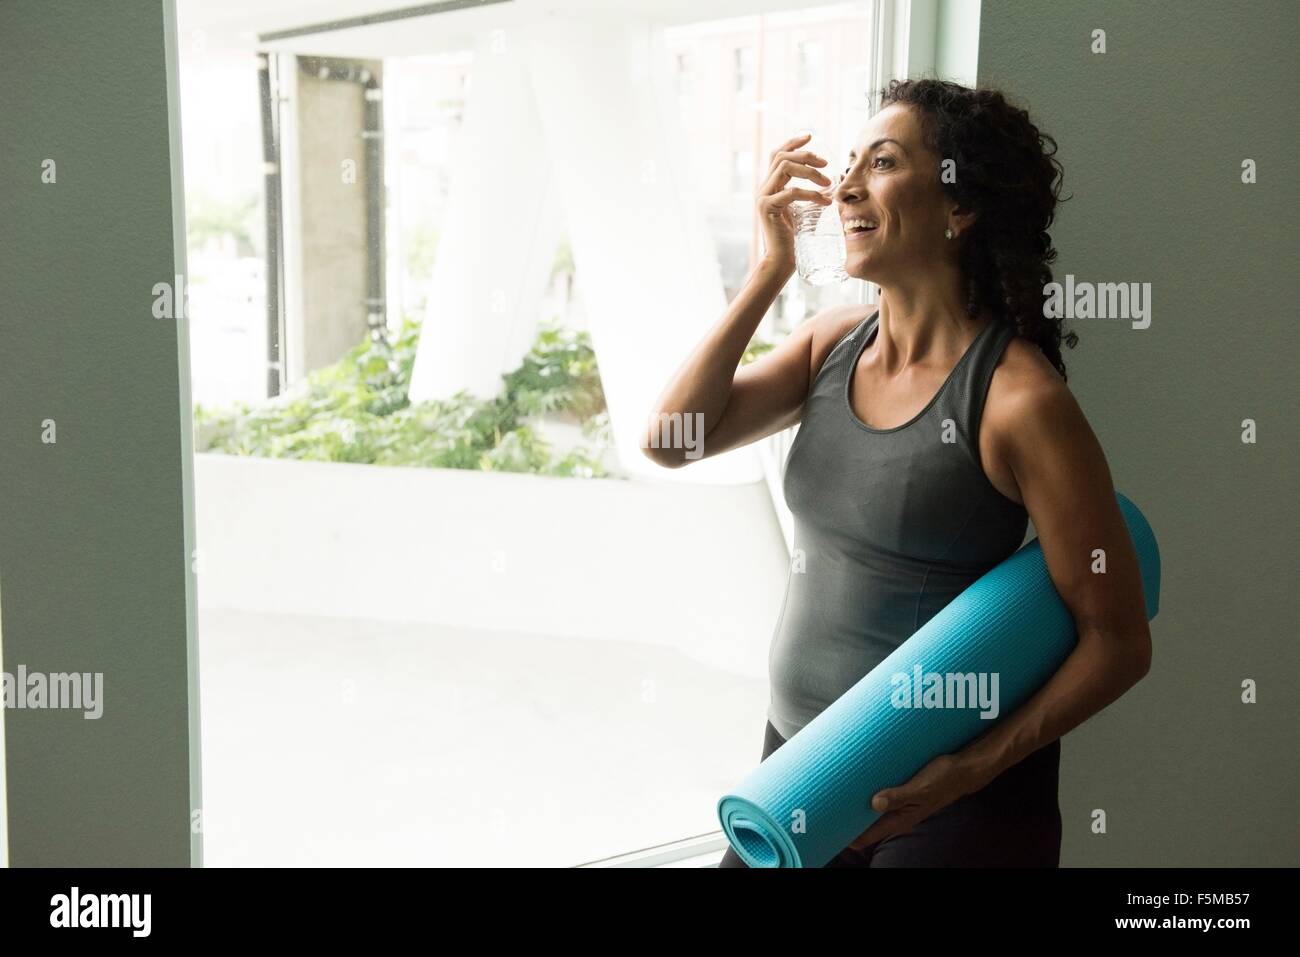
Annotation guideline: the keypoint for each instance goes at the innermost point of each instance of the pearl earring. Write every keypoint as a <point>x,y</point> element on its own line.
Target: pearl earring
<point>947,234</point>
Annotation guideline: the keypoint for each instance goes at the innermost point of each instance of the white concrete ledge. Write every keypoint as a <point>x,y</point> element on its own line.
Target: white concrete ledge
<point>698,568</point>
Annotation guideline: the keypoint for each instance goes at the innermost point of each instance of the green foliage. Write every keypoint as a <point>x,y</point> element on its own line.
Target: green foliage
<point>357,410</point>
<point>558,375</point>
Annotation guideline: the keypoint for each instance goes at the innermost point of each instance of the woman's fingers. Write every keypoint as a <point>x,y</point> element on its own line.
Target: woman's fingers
<point>774,196</point>
<point>800,162</point>
<point>788,195</point>
<point>801,156</point>
<point>785,170</point>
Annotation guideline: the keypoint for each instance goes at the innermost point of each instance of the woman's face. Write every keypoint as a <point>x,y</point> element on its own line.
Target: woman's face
<point>892,182</point>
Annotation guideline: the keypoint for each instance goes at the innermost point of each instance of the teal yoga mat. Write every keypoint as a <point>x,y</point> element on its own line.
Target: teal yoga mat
<point>812,796</point>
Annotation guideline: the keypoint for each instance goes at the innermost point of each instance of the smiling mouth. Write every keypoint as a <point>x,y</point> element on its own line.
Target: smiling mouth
<point>860,227</point>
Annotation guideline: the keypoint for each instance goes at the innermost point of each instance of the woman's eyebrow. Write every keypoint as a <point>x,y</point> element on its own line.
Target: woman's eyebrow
<point>853,153</point>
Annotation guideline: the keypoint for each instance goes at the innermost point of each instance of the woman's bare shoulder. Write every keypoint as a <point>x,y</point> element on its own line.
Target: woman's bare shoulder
<point>1023,370</point>
<point>1023,381</point>
<point>831,325</point>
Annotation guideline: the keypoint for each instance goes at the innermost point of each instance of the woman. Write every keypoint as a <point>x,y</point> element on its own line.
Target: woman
<point>933,427</point>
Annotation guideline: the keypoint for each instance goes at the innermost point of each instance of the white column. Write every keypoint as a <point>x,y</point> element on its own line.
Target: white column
<point>647,269</point>
<point>499,238</point>
<point>576,124</point>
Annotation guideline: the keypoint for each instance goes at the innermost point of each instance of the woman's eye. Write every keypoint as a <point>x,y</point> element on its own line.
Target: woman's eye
<point>879,158</point>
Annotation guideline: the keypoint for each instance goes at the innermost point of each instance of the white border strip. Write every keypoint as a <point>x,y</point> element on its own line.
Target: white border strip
<point>171,48</point>
<point>704,850</point>
<point>4,802</point>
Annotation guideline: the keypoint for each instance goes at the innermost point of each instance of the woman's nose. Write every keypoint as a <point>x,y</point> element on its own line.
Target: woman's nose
<point>847,192</point>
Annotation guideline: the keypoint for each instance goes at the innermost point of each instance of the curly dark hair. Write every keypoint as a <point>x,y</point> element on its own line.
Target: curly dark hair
<point>1008,174</point>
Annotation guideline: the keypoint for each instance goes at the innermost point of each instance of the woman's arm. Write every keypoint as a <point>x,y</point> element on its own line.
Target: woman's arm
<point>733,405</point>
<point>708,381</point>
<point>710,400</point>
<point>1066,486</point>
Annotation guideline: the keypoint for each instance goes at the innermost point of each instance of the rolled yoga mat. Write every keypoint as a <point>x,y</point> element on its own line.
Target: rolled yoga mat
<point>812,796</point>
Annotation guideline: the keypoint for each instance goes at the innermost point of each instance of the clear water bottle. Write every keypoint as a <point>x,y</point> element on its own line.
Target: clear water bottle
<point>819,251</point>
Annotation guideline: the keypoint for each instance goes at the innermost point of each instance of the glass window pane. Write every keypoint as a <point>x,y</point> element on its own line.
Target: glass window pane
<point>400,664</point>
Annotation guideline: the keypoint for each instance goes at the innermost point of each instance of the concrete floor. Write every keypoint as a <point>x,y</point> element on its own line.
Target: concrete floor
<point>330,742</point>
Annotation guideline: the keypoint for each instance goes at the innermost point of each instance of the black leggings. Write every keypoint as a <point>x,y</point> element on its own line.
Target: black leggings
<point>1014,821</point>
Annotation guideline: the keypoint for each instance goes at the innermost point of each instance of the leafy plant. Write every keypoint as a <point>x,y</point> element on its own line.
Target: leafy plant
<point>357,410</point>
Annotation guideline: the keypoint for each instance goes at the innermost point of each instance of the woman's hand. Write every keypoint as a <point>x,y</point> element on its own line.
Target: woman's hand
<point>774,197</point>
<point>938,784</point>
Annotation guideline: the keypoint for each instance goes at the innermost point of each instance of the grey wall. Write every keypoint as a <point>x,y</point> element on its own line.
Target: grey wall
<point>1152,134</point>
<point>93,533</point>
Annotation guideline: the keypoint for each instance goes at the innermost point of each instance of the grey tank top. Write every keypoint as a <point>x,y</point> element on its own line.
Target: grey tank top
<point>890,525</point>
